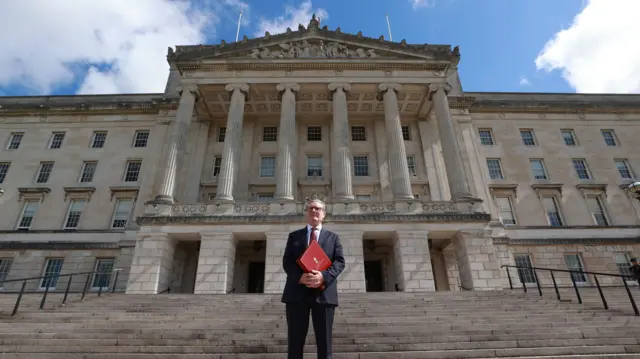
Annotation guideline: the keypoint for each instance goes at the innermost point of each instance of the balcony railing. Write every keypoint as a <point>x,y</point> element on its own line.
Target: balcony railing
<point>343,208</point>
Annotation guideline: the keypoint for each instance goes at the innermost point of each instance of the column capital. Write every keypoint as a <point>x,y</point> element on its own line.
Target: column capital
<point>193,88</point>
<point>334,86</point>
<point>384,87</point>
<point>291,86</point>
<point>444,86</point>
<point>237,86</point>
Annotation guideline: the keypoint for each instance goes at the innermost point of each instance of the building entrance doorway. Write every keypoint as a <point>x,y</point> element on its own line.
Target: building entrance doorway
<point>255,282</point>
<point>373,276</point>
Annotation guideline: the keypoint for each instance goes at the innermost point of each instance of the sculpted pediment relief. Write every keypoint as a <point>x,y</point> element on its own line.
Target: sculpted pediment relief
<point>306,50</point>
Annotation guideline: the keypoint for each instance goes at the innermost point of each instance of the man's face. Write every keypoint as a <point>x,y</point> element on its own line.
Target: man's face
<point>315,213</point>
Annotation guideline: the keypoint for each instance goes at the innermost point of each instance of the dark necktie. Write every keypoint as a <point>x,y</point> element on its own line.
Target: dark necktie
<point>313,235</point>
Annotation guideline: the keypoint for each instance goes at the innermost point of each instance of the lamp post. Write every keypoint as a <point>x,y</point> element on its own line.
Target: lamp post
<point>634,188</point>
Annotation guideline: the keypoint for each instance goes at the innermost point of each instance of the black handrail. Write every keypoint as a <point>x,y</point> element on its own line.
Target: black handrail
<point>575,286</point>
<point>66,292</point>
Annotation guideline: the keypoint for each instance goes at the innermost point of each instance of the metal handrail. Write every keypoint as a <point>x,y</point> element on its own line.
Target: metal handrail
<point>66,292</point>
<point>575,285</point>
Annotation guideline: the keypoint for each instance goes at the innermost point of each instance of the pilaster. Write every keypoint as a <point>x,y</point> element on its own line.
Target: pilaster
<point>413,261</point>
<point>151,265</point>
<point>287,144</point>
<point>215,264</point>
<point>341,152</point>
<point>274,275</point>
<point>352,279</point>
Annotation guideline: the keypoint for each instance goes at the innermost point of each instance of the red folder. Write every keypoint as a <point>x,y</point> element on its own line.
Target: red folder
<point>314,258</point>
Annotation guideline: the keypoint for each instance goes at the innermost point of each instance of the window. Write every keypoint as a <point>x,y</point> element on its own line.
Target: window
<point>597,211</point>
<point>217,164</point>
<point>505,210</point>
<point>270,134</point>
<point>132,171</point>
<point>361,166</point>
<point>526,274</point>
<point>74,214</point>
<point>406,133</point>
<point>122,213</point>
<point>44,172</point>
<point>495,169</point>
<point>486,137</point>
<point>538,170</point>
<point>141,138</point>
<point>574,262</point>
<point>609,137</point>
<point>268,166</point>
<point>56,140</point>
<point>4,169</point>
<point>622,262</point>
<point>569,137</point>
<point>99,139</point>
<point>314,133</point>
<point>102,273</point>
<point>222,132</point>
<point>28,213</point>
<point>358,133</point>
<point>581,168</point>
<point>553,212</point>
<point>88,170</point>
<point>363,197</point>
<point>15,140</point>
<point>411,163</point>
<point>52,270</point>
<point>621,165</point>
<point>527,137</point>
<point>265,197</point>
<point>5,267</point>
<point>314,166</point>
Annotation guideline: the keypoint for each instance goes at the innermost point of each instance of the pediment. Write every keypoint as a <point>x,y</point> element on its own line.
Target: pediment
<point>314,43</point>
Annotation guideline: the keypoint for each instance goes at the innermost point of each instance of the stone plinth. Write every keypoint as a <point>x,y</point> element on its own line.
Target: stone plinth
<point>413,261</point>
<point>478,263</point>
<point>216,263</point>
<point>352,279</point>
<point>274,274</point>
<point>152,263</point>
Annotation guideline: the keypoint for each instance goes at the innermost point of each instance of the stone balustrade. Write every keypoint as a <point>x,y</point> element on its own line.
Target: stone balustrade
<point>297,208</point>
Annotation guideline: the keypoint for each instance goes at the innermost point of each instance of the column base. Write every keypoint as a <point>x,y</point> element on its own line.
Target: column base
<point>343,197</point>
<point>162,199</point>
<point>465,197</point>
<point>280,199</point>
<point>403,197</point>
<point>224,199</point>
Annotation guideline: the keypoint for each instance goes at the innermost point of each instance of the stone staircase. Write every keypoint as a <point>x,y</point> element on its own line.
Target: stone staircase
<point>368,326</point>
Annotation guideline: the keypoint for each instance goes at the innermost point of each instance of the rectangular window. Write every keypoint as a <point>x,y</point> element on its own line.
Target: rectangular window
<point>132,171</point>
<point>361,166</point>
<point>88,170</point>
<point>44,172</point>
<point>495,169</point>
<point>553,212</point>
<point>538,170</point>
<point>217,164</point>
<point>99,139</point>
<point>141,138</point>
<point>122,213</point>
<point>28,214</point>
<point>74,214</point>
<point>268,166</point>
<point>52,270</point>
<point>486,137</point>
<point>582,170</point>
<point>528,139</point>
<point>56,140</point>
<point>4,169</point>
<point>574,262</point>
<point>5,267</point>
<point>622,165</point>
<point>624,266</point>
<point>411,163</point>
<point>526,274</point>
<point>569,137</point>
<point>358,133</point>
<point>222,133</point>
<point>609,137</point>
<point>270,134</point>
<point>15,140</point>
<point>264,197</point>
<point>102,273</point>
<point>406,133</point>
<point>505,210</point>
<point>314,133</point>
<point>314,167</point>
<point>597,211</point>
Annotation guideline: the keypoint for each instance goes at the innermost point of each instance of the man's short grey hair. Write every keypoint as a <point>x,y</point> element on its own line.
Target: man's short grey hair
<point>315,200</point>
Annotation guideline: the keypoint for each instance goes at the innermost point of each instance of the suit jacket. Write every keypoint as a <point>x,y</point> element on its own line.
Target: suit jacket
<point>294,292</point>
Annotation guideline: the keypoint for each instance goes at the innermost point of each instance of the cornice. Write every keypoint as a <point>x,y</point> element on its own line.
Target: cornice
<point>324,65</point>
<point>568,241</point>
<point>579,106</point>
<point>83,105</point>
<point>55,245</point>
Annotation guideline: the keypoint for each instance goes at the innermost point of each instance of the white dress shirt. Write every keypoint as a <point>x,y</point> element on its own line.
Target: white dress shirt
<point>318,230</point>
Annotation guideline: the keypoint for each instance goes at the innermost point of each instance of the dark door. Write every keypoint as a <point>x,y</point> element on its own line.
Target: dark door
<point>373,276</point>
<point>256,277</point>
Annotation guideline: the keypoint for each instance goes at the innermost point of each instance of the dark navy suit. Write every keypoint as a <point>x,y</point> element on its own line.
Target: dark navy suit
<point>301,300</point>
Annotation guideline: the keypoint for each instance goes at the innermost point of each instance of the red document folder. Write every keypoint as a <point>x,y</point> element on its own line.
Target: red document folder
<point>314,258</point>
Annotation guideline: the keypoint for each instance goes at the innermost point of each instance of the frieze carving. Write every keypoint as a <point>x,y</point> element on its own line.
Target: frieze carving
<point>304,50</point>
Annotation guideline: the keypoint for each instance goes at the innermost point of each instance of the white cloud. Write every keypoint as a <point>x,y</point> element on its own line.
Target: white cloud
<point>416,4</point>
<point>123,43</point>
<point>291,19</point>
<point>525,81</point>
<point>598,53</point>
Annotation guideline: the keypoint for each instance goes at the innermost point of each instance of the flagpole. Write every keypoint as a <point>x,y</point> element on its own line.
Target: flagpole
<point>239,21</point>
<point>389,27</point>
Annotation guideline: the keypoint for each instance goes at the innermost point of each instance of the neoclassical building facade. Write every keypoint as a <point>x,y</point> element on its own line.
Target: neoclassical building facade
<point>194,190</point>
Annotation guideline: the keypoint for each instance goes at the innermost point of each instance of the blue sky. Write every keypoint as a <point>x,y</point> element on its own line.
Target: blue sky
<point>119,46</point>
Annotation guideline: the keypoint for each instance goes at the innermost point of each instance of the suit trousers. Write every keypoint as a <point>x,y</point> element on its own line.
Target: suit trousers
<point>298,326</point>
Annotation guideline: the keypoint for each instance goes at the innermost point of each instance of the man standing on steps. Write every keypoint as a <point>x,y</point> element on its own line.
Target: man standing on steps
<point>302,294</point>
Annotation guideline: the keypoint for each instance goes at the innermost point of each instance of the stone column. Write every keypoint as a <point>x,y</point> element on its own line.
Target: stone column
<point>352,279</point>
<point>180,131</point>
<point>152,263</point>
<point>341,152</point>
<point>413,261</point>
<point>287,144</point>
<point>274,275</point>
<point>458,185</point>
<point>398,167</point>
<point>232,142</point>
<point>216,263</point>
